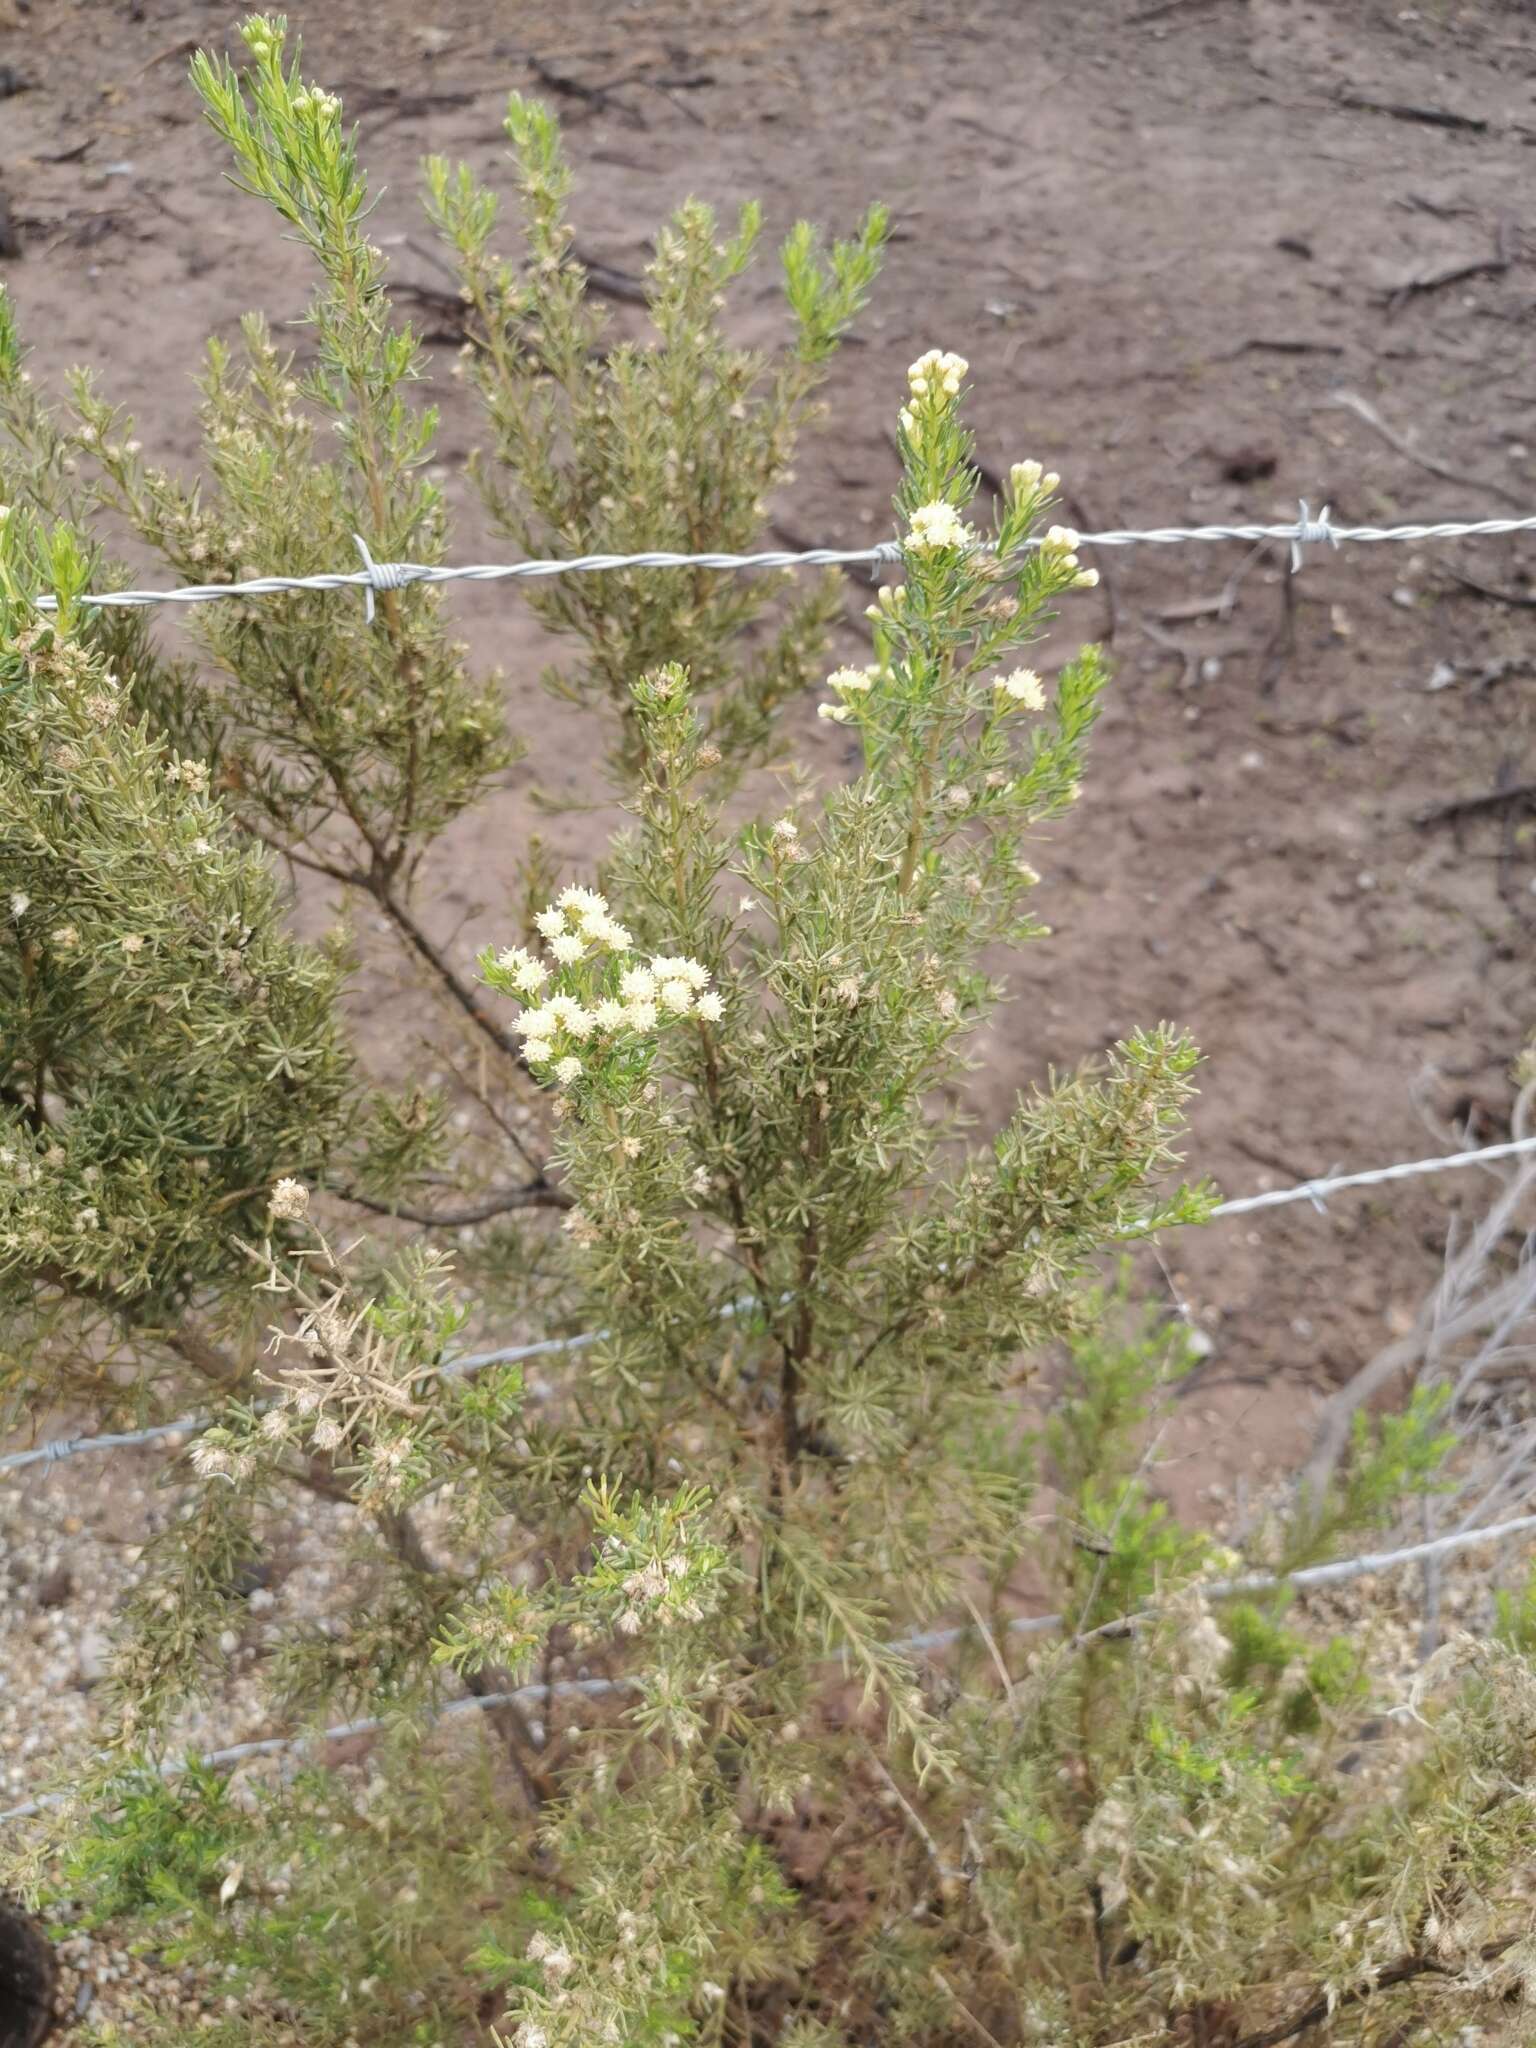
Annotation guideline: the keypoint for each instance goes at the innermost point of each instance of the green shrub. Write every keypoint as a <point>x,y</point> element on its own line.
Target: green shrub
<point>793,1439</point>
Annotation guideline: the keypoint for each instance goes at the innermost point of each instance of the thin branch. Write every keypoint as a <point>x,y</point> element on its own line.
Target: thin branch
<point>1326,2004</point>
<point>538,1194</point>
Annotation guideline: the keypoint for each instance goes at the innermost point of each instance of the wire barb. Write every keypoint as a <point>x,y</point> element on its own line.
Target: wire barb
<point>379,576</point>
<point>1310,531</point>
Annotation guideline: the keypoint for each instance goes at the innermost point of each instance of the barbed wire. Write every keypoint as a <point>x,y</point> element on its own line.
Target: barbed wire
<point>1313,1191</point>
<point>1339,1571</point>
<point>373,577</point>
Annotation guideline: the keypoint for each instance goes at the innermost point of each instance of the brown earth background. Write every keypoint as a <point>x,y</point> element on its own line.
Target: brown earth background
<point>1169,238</point>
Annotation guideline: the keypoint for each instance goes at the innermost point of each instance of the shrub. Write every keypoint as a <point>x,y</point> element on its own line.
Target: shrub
<point>847,1373</point>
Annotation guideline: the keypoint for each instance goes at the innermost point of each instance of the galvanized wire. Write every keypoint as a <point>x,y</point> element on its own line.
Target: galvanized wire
<point>1303,531</point>
<point>1313,1191</point>
<point>1336,1573</point>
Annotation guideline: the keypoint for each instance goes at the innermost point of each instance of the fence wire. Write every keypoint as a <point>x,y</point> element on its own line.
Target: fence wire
<point>1302,532</point>
<point>1336,1573</point>
<point>1314,1191</point>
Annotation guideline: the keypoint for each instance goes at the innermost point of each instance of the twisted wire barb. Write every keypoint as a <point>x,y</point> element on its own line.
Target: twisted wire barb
<point>918,1645</point>
<point>1313,1191</point>
<point>1303,531</point>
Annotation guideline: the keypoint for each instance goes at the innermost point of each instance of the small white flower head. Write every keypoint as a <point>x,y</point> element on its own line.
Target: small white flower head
<point>567,948</point>
<point>786,828</point>
<point>935,526</point>
<point>131,943</point>
<point>948,1002</point>
<point>640,1015</point>
<point>839,714</point>
<point>609,1014</point>
<point>710,1007</point>
<point>202,846</point>
<point>65,938</point>
<point>637,984</point>
<point>567,1070</point>
<point>535,1023</point>
<point>288,1201</point>
<point>550,923</point>
<point>566,1012</point>
<point>527,974</point>
<point>328,1433</point>
<point>699,1180</point>
<point>20,903</point>
<point>538,1052</point>
<point>1059,540</point>
<point>957,797</point>
<point>629,1622</point>
<point>677,997</point>
<point>582,902</point>
<point>87,1218</point>
<point>1087,579</point>
<point>851,681</point>
<point>1023,686</point>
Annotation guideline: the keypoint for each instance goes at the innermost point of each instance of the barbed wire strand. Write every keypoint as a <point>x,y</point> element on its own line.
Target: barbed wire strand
<point>1313,1191</point>
<point>1336,1573</point>
<point>1301,532</point>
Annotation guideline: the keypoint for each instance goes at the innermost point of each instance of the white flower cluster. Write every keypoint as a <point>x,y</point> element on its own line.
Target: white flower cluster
<point>652,1594</point>
<point>848,682</point>
<point>575,926</point>
<point>1060,543</point>
<point>937,525</point>
<point>1030,480</point>
<point>938,371</point>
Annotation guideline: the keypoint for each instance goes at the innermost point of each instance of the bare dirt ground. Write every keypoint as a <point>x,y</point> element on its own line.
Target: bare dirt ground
<point>1171,239</point>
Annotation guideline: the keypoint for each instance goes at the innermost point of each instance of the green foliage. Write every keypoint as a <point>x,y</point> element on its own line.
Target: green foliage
<point>672,443</point>
<point>169,1050</point>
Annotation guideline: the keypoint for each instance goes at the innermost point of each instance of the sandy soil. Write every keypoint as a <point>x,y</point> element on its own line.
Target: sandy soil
<point>1170,239</point>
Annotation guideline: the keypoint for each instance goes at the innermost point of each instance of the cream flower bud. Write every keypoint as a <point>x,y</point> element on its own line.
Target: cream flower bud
<point>851,681</point>
<point>289,1200</point>
<point>710,1007</point>
<point>1024,687</point>
<point>1087,579</point>
<point>838,713</point>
